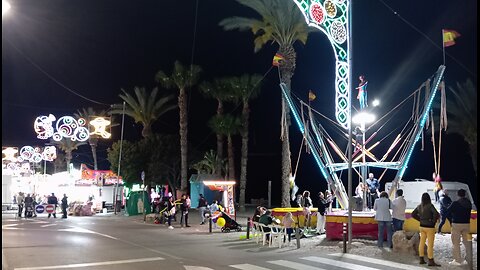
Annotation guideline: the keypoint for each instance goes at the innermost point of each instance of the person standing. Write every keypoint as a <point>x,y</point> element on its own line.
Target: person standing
<point>307,207</point>
<point>438,186</point>
<point>460,210</point>
<point>382,207</point>
<point>64,206</point>
<point>20,201</point>
<point>399,204</point>
<point>288,222</point>
<point>170,211</point>
<point>372,190</point>
<point>445,202</point>
<point>362,92</point>
<point>54,201</point>
<point>202,207</point>
<point>322,210</point>
<point>184,211</point>
<point>28,206</point>
<point>426,213</point>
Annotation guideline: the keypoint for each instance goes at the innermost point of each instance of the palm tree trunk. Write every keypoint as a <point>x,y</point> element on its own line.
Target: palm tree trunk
<point>287,69</point>
<point>93,145</point>
<point>244,159</point>
<point>473,154</point>
<point>183,139</point>
<point>68,158</point>
<point>218,164</point>
<point>231,165</point>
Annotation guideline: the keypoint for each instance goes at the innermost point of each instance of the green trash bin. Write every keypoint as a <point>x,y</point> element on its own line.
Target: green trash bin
<point>135,203</point>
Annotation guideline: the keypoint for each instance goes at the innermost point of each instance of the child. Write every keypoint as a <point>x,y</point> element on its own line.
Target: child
<point>288,222</point>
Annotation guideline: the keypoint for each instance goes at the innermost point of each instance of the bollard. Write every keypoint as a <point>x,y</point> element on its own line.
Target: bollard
<point>248,228</point>
<point>209,225</point>
<point>297,235</point>
<point>469,251</point>
<point>344,237</point>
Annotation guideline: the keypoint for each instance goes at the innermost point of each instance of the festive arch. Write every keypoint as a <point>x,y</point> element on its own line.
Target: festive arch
<point>331,17</point>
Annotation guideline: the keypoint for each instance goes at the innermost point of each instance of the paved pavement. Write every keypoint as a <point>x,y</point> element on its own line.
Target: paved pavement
<point>118,242</point>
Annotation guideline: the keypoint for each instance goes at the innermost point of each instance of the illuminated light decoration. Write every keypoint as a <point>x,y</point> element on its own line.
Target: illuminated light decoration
<point>49,153</point>
<point>30,154</point>
<point>9,153</point>
<point>317,13</point>
<point>43,126</point>
<point>330,8</point>
<point>100,125</point>
<point>68,127</point>
<point>331,17</point>
<point>338,32</point>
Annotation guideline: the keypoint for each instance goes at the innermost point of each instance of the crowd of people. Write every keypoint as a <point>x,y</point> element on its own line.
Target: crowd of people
<point>27,204</point>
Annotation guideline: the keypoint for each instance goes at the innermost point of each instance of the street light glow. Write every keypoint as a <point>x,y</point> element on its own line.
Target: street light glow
<point>5,7</point>
<point>363,118</point>
<point>375,103</point>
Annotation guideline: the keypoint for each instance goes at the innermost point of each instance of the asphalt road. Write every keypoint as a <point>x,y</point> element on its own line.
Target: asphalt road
<point>118,242</point>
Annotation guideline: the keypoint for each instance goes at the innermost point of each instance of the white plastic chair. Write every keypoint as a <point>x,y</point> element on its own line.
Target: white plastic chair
<point>263,232</point>
<point>256,233</point>
<point>277,234</point>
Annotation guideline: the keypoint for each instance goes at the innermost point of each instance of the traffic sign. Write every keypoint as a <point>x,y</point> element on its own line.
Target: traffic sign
<point>50,208</point>
<point>39,208</point>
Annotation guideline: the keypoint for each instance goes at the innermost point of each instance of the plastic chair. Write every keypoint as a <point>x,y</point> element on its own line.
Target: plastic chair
<point>277,234</point>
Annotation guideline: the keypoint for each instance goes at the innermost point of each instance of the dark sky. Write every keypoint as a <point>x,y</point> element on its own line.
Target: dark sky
<point>96,48</point>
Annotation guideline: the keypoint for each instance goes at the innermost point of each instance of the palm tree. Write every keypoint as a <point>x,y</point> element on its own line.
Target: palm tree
<point>93,139</point>
<point>67,146</point>
<point>245,88</point>
<point>462,116</point>
<point>218,90</point>
<point>281,23</point>
<point>144,109</point>
<point>227,125</point>
<point>182,78</point>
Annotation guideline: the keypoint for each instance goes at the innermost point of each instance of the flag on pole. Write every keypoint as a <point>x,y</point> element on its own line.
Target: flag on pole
<point>311,95</point>
<point>277,59</point>
<point>449,37</point>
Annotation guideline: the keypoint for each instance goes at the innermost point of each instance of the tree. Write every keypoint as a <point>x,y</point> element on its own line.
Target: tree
<point>208,164</point>
<point>144,108</point>
<point>281,23</point>
<point>227,125</point>
<point>220,91</point>
<point>182,78</point>
<point>462,115</point>
<point>93,139</point>
<point>244,88</point>
<point>67,146</point>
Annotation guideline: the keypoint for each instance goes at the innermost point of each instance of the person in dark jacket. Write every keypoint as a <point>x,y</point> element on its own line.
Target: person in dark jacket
<point>54,201</point>
<point>322,210</point>
<point>426,213</point>
<point>170,211</point>
<point>184,210</point>
<point>460,210</point>
<point>64,206</point>
<point>445,202</point>
<point>202,208</point>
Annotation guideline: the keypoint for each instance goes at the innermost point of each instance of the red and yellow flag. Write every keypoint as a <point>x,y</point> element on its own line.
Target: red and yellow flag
<point>277,59</point>
<point>449,37</point>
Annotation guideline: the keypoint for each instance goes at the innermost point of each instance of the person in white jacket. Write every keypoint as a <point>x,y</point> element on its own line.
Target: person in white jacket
<point>399,205</point>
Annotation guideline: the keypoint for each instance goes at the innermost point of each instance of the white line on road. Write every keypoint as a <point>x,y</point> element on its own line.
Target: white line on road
<point>91,264</point>
<point>48,225</point>
<point>192,267</point>
<point>338,263</point>
<point>377,261</point>
<point>295,265</point>
<point>247,266</point>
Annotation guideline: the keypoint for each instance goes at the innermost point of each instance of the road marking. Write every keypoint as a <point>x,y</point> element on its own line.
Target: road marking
<point>48,225</point>
<point>338,263</point>
<point>9,225</point>
<point>247,266</point>
<point>91,264</point>
<point>192,267</point>
<point>377,261</point>
<point>295,265</point>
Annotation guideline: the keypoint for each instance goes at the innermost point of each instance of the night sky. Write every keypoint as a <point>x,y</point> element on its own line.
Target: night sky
<point>96,48</point>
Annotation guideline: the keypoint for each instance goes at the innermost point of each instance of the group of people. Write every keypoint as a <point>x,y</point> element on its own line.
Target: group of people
<point>457,213</point>
<point>26,204</point>
<point>370,188</point>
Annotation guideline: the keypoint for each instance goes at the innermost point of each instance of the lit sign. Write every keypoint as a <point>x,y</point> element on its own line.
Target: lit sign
<point>100,125</point>
<point>31,154</point>
<point>66,127</point>
<point>9,153</point>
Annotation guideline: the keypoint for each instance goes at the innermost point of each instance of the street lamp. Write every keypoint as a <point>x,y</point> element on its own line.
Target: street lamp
<point>361,119</point>
<point>375,102</point>
<point>5,7</point>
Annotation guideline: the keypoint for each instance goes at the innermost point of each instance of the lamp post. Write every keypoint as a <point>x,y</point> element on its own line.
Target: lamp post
<point>362,119</point>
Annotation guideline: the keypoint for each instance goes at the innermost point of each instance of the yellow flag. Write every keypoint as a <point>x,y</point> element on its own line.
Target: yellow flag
<point>311,95</point>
